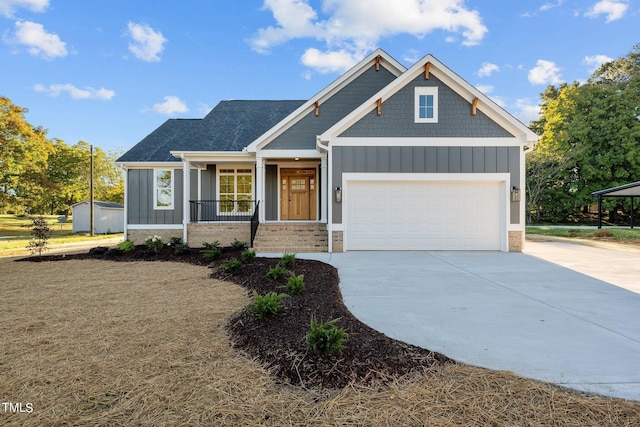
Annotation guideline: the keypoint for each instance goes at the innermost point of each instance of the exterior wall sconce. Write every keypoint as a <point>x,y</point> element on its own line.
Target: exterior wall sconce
<point>515,194</point>
<point>338,195</point>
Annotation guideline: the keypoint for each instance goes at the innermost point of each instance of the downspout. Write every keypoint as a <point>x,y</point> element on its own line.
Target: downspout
<point>329,201</point>
<point>126,204</point>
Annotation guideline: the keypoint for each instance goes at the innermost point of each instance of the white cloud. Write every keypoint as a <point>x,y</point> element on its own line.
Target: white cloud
<point>545,73</point>
<point>548,6</point>
<point>526,111</point>
<point>38,41</point>
<point>147,44</point>
<point>487,69</point>
<point>76,93</point>
<point>614,9</point>
<point>328,62</point>
<point>204,109</point>
<point>412,56</point>
<point>8,7</point>
<point>171,105</point>
<point>350,29</point>
<point>594,62</point>
<point>485,88</point>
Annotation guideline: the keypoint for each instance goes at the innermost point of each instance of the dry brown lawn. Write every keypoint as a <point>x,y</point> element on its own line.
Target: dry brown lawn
<point>144,343</point>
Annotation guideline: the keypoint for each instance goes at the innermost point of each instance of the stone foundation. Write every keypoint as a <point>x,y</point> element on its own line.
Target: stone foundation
<point>337,241</point>
<point>139,236</point>
<point>516,239</point>
<point>225,233</point>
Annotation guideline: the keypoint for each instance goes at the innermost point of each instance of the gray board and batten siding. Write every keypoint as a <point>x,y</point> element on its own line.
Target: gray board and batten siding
<point>139,203</point>
<point>425,160</point>
<point>302,135</point>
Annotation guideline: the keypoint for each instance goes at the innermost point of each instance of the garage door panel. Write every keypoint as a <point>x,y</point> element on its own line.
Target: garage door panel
<point>423,215</point>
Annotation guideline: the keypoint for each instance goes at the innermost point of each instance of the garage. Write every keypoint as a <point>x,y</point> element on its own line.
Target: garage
<point>389,214</point>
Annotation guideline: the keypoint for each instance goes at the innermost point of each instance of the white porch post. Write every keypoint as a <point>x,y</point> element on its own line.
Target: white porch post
<point>186,195</point>
<point>260,186</point>
<point>324,188</point>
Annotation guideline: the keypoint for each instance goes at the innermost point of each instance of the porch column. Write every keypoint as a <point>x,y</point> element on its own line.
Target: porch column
<point>186,195</point>
<point>260,186</point>
<point>324,189</point>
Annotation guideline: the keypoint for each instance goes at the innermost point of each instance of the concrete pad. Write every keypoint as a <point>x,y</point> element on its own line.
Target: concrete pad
<point>503,311</point>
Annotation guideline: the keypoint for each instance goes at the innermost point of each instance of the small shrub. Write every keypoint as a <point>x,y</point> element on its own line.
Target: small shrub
<point>267,304</point>
<point>239,246</point>
<point>602,234</point>
<point>288,260</point>
<point>154,243</point>
<point>325,338</point>
<point>248,256</point>
<point>295,284</point>
<point>277,273</point>
<point>209,246</point>
<point>181,249</point>
<point>175,241</point>
<point>232,265</point>
<point>41,233</point>
<point>126,246</point>
<point>211,254</point>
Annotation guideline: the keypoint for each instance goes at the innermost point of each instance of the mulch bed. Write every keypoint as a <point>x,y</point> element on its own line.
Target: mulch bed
<point>369,357</point>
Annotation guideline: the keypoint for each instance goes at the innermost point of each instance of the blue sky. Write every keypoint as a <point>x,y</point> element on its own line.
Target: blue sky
<point>110,72</point>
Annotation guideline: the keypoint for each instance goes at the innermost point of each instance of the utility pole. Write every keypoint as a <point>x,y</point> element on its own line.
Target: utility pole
<point>91,190</point>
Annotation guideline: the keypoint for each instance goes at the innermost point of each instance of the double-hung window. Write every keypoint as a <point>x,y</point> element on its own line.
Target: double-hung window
<point>163,189</point>
<point>236,190</point>
<point>426,104</point>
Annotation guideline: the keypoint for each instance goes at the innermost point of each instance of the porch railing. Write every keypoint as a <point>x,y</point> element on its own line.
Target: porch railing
<point>222,210</point>
<point>255,222</point>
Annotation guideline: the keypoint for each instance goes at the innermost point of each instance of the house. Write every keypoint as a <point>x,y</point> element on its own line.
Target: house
<point>108,217</point>
<point>384,158</point>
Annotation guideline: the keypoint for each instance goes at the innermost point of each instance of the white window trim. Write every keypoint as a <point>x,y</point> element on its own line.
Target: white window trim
<point>235,167</point>
<point>155,189</point>
<point>426,90</point>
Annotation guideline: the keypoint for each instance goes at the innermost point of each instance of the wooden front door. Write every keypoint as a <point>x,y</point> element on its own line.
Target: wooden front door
<point>298,194</point>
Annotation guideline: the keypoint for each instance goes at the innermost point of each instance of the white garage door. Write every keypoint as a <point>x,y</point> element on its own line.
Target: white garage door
<point>423,215</point>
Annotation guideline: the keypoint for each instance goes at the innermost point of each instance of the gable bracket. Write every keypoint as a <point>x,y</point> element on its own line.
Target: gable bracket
<point>379,106</point>
<point>378,58</point>
<point>427,68</point>
<point>474,105</point>
<point>317,106</point>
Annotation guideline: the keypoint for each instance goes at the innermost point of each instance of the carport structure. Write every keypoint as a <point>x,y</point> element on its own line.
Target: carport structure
<point>629,190</point>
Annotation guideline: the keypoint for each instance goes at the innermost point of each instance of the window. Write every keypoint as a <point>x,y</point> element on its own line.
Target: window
<point>426,107</point>
<point>163,189</point>
<point>236,185</point>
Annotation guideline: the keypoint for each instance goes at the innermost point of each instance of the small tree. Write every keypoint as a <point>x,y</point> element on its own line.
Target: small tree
<point>41,233</point>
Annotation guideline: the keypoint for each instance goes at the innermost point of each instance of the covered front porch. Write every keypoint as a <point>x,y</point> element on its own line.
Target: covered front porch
<point>231,194</point>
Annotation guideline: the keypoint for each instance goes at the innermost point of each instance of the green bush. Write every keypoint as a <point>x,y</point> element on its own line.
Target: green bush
<point>288,260</point>
<point>239,246</point>
<point>277,273</point>
<point>175,241</point>
<point>126,246</point>
<point>232,265</point>
<point>325,338</point>
<point>267,304</point>
<point>41,232</point>
<point>295,284</point>
<point>210,246</point>
<point>211,254</point>
<point>154,243</point>
<point>248,256</point>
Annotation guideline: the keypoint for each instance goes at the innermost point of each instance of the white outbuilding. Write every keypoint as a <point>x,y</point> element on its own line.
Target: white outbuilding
<point>108,217</point>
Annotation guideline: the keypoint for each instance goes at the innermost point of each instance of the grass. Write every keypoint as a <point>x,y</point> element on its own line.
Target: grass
<point>620,235</point>
<point>15,232</point>
<point>138,343</point>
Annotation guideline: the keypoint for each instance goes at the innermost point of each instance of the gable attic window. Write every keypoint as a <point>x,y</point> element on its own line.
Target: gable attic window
<point>163,189</point>
<point>426,104</point>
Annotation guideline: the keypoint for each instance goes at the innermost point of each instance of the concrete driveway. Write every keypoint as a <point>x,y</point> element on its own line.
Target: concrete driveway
<point>504,311</point>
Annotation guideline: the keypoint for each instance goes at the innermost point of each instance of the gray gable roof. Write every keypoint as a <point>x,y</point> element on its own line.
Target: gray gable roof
<point>230,126</point>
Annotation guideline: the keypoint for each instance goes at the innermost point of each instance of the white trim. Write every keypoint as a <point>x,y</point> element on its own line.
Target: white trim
<point>503,178</point>
<point>150,165</point>
<point>186,196</point>
<point>156,188</point>
<point>214,156</point>
<point>126,200</point>
<point>154,226</point>
<point>425,142</point>
<point>388,62</point>
<point>425,91</point>
<point>290,154</point>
